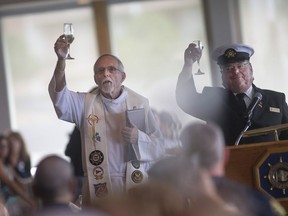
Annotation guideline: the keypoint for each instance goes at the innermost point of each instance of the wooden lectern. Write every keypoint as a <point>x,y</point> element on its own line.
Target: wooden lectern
<point>263,166</point>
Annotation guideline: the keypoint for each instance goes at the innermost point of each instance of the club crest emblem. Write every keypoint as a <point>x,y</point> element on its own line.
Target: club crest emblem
<point>278,175</point>
<point>272,174</point>
<point>98,172</point>
<point>137,176</point>
<point>101,190</point>
<point>96,157</point>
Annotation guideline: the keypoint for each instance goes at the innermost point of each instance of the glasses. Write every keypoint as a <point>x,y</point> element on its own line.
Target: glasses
<point>233,67</point>
<point>111,69</point>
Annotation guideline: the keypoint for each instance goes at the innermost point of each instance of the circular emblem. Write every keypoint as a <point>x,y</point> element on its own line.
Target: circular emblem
<point>137,176</point>
<point>98,172</point>
<point>278,175</point>
<point>135,164</point>
<point>96,157</point>
<point>273,174</point>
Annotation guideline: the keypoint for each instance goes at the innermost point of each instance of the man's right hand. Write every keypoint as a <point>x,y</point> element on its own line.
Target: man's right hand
<point>192,54</point>
<point>61,47</point>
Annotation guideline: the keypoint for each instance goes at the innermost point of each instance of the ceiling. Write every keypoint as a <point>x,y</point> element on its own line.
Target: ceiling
<point>8,7</point>
<point>13,2</point>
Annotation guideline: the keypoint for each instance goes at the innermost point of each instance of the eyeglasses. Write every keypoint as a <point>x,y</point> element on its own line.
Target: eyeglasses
<point>111,69</point>
<point>232,67</point>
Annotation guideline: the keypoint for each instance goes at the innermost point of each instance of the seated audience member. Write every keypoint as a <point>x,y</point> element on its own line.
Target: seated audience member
<point>206,143</point>
<point>19,157</point>
<point>13,193</point>
<point>194,184</point>
<point>172,191</point>
<point>54,185</point>
<point>148,199</point>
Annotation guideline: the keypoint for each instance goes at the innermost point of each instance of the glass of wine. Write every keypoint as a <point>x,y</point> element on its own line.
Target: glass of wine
<point>69,36</point>
<point>198,45</point>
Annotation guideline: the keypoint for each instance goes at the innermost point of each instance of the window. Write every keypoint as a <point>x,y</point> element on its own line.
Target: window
<point>30,60</point>
<point>265,28</point>
<point>150,37</point>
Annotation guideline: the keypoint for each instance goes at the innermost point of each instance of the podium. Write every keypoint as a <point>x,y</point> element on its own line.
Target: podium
<point>263,166</point>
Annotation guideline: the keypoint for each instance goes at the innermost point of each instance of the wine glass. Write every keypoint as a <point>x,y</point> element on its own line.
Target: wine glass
<point>69,37</point>
<point>198,45</point>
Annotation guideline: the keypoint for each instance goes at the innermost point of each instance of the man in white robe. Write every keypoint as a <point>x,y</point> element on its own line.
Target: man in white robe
<point>115,153</point>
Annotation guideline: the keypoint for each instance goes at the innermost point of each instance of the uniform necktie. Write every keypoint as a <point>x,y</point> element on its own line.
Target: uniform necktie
<point>241,101</point>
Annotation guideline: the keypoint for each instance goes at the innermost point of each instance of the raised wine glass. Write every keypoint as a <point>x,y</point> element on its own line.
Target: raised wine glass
<point>69,36</point>
<point>198,45</point>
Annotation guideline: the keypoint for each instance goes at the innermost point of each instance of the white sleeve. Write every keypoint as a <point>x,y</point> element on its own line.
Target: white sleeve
<point>68,105</point>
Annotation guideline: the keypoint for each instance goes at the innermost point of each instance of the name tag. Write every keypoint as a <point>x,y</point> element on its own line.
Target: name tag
<point>274,109</point>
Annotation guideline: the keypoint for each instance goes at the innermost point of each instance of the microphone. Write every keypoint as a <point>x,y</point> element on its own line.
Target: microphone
<point>248,115</point>
<point>251,107</point>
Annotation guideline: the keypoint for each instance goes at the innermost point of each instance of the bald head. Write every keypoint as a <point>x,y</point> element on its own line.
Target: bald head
<point>204,141</point>
<point>54,179</point>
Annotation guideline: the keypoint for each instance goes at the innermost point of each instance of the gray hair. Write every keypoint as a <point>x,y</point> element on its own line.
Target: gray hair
<point>204,142</point>
<point>120,64</point>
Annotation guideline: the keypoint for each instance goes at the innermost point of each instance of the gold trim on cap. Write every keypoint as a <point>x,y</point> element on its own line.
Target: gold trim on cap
<point>230,53</point>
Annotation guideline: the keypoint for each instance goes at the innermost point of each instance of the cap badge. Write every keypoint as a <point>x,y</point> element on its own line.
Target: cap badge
<point>230,53</point>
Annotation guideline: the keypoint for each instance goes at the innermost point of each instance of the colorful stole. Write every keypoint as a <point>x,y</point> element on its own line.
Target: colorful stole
<point>96,159</point>
<point>95,149</point>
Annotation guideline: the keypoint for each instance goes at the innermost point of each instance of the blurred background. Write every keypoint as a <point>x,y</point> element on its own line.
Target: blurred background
<point>148,36</point>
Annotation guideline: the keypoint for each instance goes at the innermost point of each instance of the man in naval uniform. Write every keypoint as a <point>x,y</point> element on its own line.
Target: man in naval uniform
<point>222,106</point>
<point>115,152</point>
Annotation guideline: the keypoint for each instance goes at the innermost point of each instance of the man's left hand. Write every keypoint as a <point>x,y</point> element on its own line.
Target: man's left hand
<point>130,135</point>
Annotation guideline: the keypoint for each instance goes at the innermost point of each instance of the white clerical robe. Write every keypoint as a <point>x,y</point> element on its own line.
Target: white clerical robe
<point>70,106</point>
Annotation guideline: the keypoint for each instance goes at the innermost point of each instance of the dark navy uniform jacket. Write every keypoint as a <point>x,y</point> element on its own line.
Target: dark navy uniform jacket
<point>220,106</point>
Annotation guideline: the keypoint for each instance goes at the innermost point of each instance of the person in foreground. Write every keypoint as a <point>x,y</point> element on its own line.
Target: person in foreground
<point>54,186</point>
<point>115,153</point>
<point>193,184</point>
<point>205,142</point>
<point>261,107</point>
